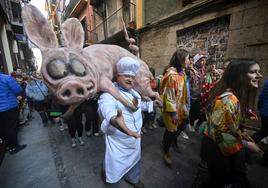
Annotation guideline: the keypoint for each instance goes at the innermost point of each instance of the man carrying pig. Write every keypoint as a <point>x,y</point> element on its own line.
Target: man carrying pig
<point>122,127</point>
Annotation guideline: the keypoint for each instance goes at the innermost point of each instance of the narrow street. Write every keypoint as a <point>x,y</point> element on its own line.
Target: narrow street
<point>199,55</point>
<point>50,161</point>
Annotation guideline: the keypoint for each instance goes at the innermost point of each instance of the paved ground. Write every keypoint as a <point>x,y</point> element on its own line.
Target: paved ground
<point>34,166</point>
<point>49,161</point>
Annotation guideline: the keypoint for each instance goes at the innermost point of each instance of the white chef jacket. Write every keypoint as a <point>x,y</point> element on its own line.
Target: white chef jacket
<point>122,151</point>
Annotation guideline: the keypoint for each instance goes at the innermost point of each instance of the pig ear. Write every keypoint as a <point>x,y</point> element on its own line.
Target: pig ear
<point>73,33</point>
<point>37,28</point>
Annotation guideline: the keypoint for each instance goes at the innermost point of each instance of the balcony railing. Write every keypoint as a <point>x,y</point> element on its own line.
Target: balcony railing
<point>75,6</point>
<point>113,24</point>
<point>4,9</point>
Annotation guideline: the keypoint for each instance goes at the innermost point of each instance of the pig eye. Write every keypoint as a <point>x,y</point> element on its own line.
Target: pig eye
<point>57,69</point>
<point>77,68</point>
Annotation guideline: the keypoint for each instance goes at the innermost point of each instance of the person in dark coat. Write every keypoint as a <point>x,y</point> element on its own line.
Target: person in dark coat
<point>263,132</point>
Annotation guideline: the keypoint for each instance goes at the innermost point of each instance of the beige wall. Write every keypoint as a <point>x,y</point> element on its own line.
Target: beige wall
<point>159,8</point>
<point>248,35</point>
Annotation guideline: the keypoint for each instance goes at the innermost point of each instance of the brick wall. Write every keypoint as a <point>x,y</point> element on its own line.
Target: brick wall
<point>210,37</point>
<point>246,35</point>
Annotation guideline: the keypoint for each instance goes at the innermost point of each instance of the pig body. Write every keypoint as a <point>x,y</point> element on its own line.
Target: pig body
<point>73,73</point>
<point>105,59</point>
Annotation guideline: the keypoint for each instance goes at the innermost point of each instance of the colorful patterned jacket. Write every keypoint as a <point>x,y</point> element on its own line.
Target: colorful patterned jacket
<point>223,124</point>
<point>173,91</point>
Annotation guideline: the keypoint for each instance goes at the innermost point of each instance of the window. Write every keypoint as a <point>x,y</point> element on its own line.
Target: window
<point>16,11</point>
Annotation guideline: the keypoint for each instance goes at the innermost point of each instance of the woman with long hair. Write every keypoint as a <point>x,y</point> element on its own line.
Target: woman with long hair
<point>174,93</point>
<point>224,139</point>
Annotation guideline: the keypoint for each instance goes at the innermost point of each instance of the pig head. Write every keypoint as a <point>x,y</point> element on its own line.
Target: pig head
<point>67,74</point>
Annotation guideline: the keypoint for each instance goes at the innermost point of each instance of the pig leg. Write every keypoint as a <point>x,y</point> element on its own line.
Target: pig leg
<point>106,85</point>
<point>155,97</point>
<point>144,88</point>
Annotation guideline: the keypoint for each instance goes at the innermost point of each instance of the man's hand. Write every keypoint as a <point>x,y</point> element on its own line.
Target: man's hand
<point>118,122</point>
<point>56,120</point>
<point>134,134</point>
<point>252,146</point>
<point>158,101</point>
<point>175,119</point>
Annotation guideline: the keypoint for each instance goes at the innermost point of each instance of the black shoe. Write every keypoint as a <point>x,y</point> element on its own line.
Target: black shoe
<point>139,185</point>
<point>177,149</point>
<point>162,148</point>
<point>103,176</point>
<point>136,185</point>
<point>264,163</point>
<point>45,124</point>
<point>17,149</point>
<point>160,122</point>
<point>21,124</point>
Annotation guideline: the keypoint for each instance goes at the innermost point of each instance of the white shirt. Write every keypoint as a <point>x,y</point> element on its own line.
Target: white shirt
<point>122,151</point>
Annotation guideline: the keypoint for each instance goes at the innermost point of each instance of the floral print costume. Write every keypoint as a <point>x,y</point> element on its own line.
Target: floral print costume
<point>173,91</point>
<point>224,123</point>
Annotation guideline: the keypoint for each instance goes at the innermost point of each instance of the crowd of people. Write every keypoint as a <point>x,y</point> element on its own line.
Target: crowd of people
<point>22,93</point>
<point>195,94</point>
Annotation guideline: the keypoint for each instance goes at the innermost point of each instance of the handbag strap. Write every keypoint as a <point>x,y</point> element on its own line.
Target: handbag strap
<point>40,89</point>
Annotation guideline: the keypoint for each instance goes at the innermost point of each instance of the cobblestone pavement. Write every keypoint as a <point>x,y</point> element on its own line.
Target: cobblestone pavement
<point>50,161</point>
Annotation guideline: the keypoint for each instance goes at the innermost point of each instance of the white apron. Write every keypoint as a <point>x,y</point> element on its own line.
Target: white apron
<point>122,151</point>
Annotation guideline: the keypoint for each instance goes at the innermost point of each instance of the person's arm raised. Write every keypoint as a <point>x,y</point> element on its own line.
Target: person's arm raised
<point>119,123</point>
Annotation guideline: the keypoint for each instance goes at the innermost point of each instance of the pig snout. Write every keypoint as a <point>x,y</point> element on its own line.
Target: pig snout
<point>72,92</point>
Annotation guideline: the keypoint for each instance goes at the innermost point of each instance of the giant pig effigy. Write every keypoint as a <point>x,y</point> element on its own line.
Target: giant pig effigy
<point>73,73</point>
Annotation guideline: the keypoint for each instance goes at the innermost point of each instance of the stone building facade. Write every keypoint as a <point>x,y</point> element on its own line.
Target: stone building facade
<point>14,47</point>
<point>83,11</point>
<point>223,29</point>
<point>101,19</point>
<point>108,16</point>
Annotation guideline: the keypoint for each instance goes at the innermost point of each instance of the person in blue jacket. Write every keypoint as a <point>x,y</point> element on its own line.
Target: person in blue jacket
<point>37,92</point>
<point>9,113</point>
<point>263,110</point>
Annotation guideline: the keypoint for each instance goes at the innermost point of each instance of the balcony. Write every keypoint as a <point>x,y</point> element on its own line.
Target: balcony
<point>16,13</point>
<point>112,25</point>
<point>74,8</point>
<point>3,11</point>
<point>15,19</point>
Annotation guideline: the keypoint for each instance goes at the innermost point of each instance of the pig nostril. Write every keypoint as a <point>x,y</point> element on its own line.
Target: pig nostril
<point>90,88</point>
<point>80,91</point>
<point>66,93</point>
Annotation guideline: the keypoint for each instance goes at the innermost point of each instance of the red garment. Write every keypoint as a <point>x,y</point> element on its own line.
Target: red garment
<point>155,84</point>
<point>206,88</point>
